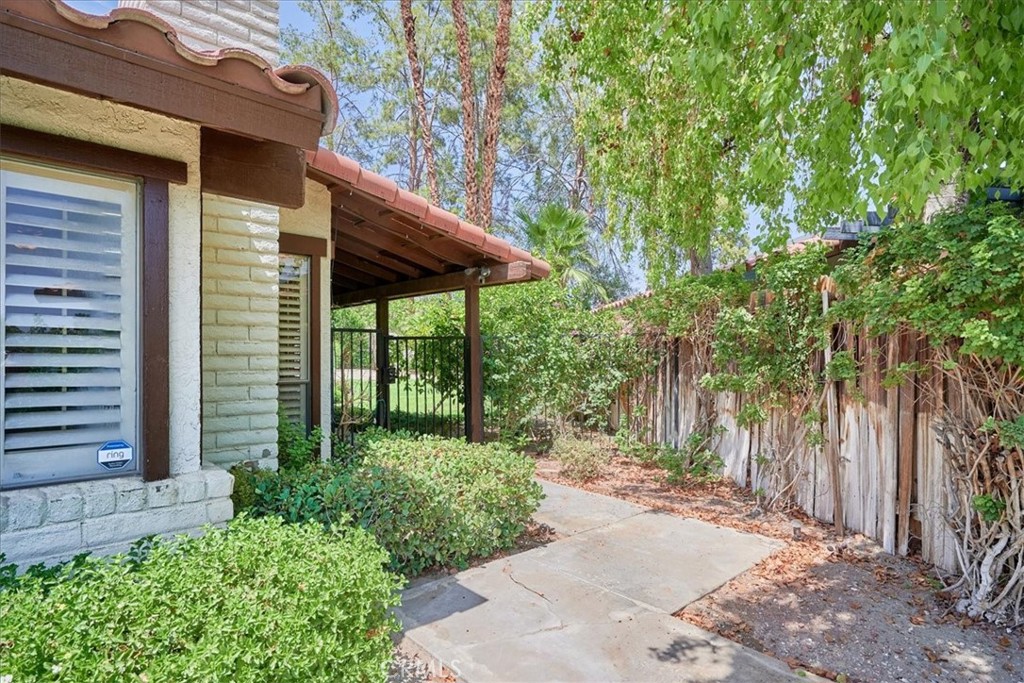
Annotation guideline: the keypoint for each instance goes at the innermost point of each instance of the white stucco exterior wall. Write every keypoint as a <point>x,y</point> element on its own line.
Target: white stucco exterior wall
<point>212,24</point>
<point>313,219</point>
<point>50,523</point>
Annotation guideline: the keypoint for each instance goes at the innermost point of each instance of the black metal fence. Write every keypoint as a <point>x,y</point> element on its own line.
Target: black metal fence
<point>425,380</point>
<point>353,380</point>
<point>427,393</point>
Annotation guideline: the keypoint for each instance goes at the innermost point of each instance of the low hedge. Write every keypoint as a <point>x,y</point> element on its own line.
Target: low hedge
<point>258,601</point>
<point>428,501</point>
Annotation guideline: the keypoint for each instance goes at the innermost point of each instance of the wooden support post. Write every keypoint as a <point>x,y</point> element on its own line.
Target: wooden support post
<point>383,363</point>
<point>474,368</point>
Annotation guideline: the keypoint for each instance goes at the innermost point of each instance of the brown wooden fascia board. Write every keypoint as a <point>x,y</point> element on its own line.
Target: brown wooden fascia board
<point>70,61</point>
<point>255,170</point>
<point>518,271</point>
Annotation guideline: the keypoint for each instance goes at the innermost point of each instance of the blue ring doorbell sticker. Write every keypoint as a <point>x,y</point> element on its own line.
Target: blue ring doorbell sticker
<point>115,455</point>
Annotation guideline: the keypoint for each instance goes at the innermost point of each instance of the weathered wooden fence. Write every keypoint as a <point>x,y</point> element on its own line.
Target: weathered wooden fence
<point>891,482</point>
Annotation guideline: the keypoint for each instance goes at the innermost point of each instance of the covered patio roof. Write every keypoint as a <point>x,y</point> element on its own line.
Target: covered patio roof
<point>390,243</point>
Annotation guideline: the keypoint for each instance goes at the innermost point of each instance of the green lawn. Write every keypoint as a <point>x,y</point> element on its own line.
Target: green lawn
<point>409,400</point>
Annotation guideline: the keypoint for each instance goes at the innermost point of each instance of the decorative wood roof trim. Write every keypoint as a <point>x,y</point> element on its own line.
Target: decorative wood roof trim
<point>340,173</point>
<point>289,81</point>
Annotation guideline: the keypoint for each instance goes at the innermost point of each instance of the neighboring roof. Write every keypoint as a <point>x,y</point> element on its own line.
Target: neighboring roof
<point>833,246</point>
<point>51,42</point>
<point>623,302</point>
<point>797,246</point>
<point>413,238</point>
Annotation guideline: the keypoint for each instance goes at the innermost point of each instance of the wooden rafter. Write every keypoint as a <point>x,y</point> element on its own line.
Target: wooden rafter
<point>517,271</point>
<point>390,243</point>
<point>349,261</point>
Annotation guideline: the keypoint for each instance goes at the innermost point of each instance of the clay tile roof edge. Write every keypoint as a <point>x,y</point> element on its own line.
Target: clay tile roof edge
<point>347,170</point>
<point>289,79</point>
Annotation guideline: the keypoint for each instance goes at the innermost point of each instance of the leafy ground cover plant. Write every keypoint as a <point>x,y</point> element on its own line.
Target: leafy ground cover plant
<point>260,600</point>
<point>294,446</point>
<point>581,459</point>
<point>428,501</point>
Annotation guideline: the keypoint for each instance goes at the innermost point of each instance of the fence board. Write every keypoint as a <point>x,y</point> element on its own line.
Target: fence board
<point>888,461</point>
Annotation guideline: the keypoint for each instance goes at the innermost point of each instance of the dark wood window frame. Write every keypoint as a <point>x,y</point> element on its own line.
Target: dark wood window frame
<point>155,174</point>
<point>315,248</point>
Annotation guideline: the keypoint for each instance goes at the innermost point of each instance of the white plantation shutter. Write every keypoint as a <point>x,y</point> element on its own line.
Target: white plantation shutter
<point>68,303</point>
<point>293,389</point>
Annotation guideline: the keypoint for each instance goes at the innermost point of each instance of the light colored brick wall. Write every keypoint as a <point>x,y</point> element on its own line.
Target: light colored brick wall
<point>239,331</point>
<point>55,523</point>
<point>212,24</point>
<point>313,219</point>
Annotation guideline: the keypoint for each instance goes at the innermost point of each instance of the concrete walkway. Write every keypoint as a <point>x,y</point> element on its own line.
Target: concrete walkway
<point>595,606</point>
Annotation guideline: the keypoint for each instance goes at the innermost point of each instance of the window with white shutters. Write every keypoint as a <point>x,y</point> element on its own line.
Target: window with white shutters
<point>293,386</point>
<point>69,287</point>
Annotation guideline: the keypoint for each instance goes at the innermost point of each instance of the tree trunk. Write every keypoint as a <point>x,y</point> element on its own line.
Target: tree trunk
<point>699,264</point>
<point>409,24</point>
<point>468,111</point>
<point>414,161</point>
<point>492,114</point>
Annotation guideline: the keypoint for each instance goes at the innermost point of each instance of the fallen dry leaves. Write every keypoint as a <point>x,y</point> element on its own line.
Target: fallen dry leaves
<point>835,607</point>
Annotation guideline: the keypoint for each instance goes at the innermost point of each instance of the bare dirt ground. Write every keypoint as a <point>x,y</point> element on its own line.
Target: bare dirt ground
<point>840,608</point>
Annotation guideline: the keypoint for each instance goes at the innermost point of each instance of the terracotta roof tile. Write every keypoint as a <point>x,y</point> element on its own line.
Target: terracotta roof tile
<point>343,170</point>
<point>289,80</point>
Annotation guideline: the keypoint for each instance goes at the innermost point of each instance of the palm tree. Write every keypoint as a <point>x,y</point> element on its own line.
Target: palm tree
<point>561,237</point>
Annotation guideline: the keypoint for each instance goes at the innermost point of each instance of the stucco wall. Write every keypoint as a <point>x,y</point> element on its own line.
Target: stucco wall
<point>55,522</point>
<point>211,24</point>
<point>240,302</point>
<point>314,220</point>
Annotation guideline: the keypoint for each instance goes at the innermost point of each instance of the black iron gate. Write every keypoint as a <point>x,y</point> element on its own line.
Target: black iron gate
<point>425,380</point>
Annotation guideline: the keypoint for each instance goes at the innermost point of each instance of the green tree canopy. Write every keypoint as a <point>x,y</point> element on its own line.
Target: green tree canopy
<point>697,113</point>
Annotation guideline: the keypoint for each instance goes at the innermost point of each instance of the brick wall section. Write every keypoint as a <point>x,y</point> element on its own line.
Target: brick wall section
<point>239,331</point>
<point>55,523</point>
<point>212,24</point>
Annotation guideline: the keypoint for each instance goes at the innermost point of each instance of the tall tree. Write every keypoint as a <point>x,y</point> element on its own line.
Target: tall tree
<point>699,114</point>
<point>468,100</point>
<point>422,122</point>
<point>495,95</point>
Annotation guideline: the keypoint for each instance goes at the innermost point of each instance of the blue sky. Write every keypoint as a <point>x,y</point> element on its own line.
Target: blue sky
<point>291,15</point>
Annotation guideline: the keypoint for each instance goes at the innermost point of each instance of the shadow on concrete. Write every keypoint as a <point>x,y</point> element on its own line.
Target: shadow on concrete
<point>436,601</point>
<point>682,650</point>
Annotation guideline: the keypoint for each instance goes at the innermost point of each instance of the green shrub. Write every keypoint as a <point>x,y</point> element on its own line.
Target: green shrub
<point>258,601</point>
<point>581,459</point>
<point>429,501</point>
<point>693,461</point>
<point>295,447</point>
<point>243,494</point>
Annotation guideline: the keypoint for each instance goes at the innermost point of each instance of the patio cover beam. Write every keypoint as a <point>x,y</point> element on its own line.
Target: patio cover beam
<point>517,271</point>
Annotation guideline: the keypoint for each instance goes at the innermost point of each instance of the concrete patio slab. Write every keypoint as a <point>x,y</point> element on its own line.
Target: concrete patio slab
<point>571,511</point>
<point>656,558</point>
<point>593,607</point>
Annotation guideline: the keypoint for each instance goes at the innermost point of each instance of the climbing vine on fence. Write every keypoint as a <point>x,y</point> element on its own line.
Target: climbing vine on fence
<point>957,282</point>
